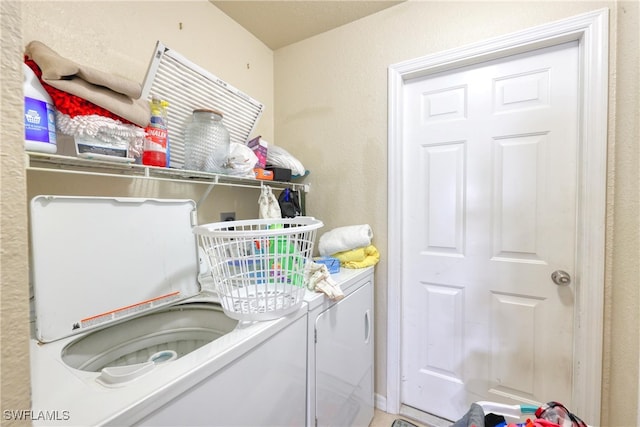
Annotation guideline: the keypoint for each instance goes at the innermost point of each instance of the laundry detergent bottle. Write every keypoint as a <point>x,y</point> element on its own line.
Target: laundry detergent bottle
<point>39,115</point>
<point>155,143</point>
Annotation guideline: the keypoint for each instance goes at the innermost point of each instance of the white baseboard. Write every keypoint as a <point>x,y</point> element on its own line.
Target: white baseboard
<point>380,402</point>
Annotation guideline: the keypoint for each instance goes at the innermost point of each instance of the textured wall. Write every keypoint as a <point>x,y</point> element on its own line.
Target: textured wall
<point>119,37</point>
<point>623,243</point>
<point>14,294</point>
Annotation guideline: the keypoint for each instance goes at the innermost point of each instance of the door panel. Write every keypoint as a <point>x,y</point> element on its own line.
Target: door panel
<point>490,212</point>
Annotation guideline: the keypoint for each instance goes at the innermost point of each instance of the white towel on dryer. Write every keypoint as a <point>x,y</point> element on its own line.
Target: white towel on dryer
<point>344,239</point>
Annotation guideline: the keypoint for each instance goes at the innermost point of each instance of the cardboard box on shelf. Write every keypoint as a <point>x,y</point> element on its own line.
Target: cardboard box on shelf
<point>263,174</point>
<point>260,148</point>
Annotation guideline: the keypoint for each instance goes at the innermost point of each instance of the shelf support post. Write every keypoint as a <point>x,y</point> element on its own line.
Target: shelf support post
<point>207,192</point>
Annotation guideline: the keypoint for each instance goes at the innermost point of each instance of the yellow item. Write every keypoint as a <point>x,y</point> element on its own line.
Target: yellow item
<point>359,258</point>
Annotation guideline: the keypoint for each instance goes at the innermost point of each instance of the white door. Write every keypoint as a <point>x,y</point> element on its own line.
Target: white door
<point>490,166</point>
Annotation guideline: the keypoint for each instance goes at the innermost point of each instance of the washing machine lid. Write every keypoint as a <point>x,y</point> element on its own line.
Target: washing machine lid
<point>100,260</point>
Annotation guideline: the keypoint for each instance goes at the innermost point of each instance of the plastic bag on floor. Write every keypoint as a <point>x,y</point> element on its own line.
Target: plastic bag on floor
<point>558,414</point>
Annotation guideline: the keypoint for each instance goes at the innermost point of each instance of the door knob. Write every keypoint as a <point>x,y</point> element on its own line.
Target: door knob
<point>561,278</point>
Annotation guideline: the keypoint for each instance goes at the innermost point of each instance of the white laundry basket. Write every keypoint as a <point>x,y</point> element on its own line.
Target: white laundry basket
<point>258,265</point>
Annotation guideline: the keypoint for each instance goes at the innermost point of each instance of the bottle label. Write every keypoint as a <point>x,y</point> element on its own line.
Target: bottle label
<point>156,139</point>
<point>39,121</point>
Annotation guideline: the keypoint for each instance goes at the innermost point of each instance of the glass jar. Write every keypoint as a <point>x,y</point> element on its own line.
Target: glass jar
<point>206,142</point>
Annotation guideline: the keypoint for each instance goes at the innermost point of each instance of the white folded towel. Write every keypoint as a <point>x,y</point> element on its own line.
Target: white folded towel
<point>344,239</point>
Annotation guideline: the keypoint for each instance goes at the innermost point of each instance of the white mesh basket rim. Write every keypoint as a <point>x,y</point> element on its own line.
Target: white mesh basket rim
<point>257,227</point>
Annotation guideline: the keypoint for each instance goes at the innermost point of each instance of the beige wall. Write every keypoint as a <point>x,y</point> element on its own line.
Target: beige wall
<point>119,37</point>
<point>14,293</point>
<point>330,100</point>
<point>623,242</point>
<point>331,110</point>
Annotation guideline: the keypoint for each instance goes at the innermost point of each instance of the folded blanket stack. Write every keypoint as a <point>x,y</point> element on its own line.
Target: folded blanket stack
<point>90,102</point>
<point>351,245</point>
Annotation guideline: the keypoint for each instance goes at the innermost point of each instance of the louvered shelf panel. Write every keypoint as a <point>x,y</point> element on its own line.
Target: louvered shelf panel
<point>187,86</point>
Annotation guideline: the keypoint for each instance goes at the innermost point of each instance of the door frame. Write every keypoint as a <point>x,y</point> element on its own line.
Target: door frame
<point>591,30</point>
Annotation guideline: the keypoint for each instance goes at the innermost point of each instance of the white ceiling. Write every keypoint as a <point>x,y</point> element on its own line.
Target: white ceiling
<point>280,23</point>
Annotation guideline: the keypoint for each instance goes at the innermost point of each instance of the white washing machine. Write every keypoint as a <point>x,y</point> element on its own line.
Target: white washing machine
<point>125,334</point>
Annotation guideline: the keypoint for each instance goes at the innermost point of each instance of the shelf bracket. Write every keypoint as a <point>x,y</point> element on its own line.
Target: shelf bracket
<point>207,192</point>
